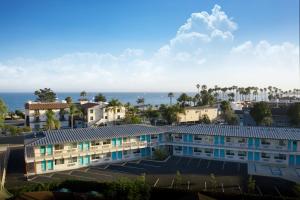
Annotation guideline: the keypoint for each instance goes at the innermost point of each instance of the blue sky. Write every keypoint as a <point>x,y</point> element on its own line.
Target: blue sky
<point>39,33</point>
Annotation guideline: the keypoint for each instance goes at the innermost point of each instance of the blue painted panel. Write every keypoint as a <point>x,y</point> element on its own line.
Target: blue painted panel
<point>143,138</point>
<point>250,155</point>
<point>216,153</point>
<point>256,156</point>
<point>148,138</point>
<point>43,165</point>
<point>298,160</point>
<point>216,139</point>
<point>42,150</point>
<point>80,160</point>
<point>190,139</point>
<point>185,137</point>
<point>250,142</point>
<point>50,164</point>
<point>292,160</point>
<point>80,146</point>
<point>222,139</point>
<point>118,141</point>
<point>257,142</point>
<point>86,145</point>
<point>222,153</point>
<point>49,150</point>
<point>190,151</point>
<point>120,154</point>
<point>86,160</point>
<point>185,150</point>
<point>113,142</point>
<point>114,155</point>
<point>160,137</point>
<point>143,152</point>
<point>294,145</point>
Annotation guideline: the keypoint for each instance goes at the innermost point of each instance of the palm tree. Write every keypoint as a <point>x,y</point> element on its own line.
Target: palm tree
<point>170,95</point>
<point>83,95</point>
<point>113,105</point>
<point>51,122</point>
<point>73,111</point>
<point>183,98</point>
<point>100,98</point>
<point>204,87</point>
<point>198,87</point>
<point>69,100</point>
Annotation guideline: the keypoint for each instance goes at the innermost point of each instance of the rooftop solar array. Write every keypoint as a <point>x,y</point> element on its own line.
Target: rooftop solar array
<point>88,134</point>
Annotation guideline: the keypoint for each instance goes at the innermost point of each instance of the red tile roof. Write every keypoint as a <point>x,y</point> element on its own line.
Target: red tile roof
<point>46,106</point>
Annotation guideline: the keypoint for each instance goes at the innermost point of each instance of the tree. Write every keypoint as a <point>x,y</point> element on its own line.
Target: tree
<point>171,95</point>
<point>182,99</point>
<point>198,88</point>
<point>45,95</point>
<point>69,100</point>
<point>213,182</point>
<point>169,113</point>
<point>51,122</point>
<point>228,113</point>
<point>113,105</point>
<point>20,114</point>
<point>294,114</point>
<point>206,98</point>
<point>160,154</point>
<point>205,119</point>
<point>73,112</point>
<point>3,112</point>
<point>100,98</point>
<point>267,121</point>
<point>260,111</point>
<point>251,184</point>
<point>130,119</point>
<point>83,95</point>
<point>178,178</point>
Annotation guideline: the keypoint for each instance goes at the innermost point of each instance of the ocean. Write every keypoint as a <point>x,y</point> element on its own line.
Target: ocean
<point>16,101</point>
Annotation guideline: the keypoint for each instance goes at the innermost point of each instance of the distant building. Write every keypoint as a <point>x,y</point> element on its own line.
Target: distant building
<point>280,117</point>
<point>35,113</point>
<point>100,113</point>
<point>195,114</point>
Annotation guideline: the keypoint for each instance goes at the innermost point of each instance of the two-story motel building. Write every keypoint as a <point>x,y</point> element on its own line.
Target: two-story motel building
<point>74,148</point>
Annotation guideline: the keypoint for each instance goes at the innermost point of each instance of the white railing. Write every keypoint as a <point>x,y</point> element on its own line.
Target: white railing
<point>3,168</point>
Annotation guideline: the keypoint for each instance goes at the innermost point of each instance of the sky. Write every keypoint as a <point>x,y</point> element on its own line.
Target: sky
<point>148,46</point>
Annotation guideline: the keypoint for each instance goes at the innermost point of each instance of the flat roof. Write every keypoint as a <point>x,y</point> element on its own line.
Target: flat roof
<point>88,134</point>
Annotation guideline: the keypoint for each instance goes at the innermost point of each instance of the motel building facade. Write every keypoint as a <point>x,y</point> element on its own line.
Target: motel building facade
<point>67,149</point>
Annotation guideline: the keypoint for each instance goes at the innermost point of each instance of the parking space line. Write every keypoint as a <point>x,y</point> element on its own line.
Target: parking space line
<point>222,187</point>
<point>178,161</point>
<point>208,164</point>
<point>205,186</point>
<point>156,182</point>
<point>223,167</point>
<point>101,174</point>
<point>172,183</point>
<point>188,185</point>
<point>123,163</point>
<point>31,179</point>
<point>199,162</point>
<point>240,189</point>
<point>277,190</point>
<point>259,190</point>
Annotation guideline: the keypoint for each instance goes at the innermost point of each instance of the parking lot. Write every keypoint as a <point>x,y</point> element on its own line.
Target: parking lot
<point>195,175</point>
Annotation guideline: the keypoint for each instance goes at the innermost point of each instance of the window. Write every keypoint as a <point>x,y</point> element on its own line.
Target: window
<point>95,143</point>
<point>281,143</point>
<point>197,137</point>
<point>118,110</point>
<point>228,139</point>
<point>242,140</point>
<point>197,150</point>
<point>265,155</point>
<point>125,153</point>
<point>95,156</point>
<point>119,117</point>
<point>58,147</point>
<point>242,153</point>
<point>208,150</point>
<point>124,139</point>
<point>137,151</point>
<point>280,157</point>
<point>178,136</point>
<point>178,148</point>
<point>265,142</point>
<point>106,117</point>
<point>106,142</point>
<point>72,160</point>
<point>153,137</point>
<point>229,153</point>
<point>108,155</point>
<point>74,145</point>
<point>59,161</point>
<point>91,111</point>
<point>91,118</point>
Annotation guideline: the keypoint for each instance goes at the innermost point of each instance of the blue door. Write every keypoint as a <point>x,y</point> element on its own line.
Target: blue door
<point>49,150</point>
<point>190,138</point>
<point>185,137</point>
<point>190,151</point>
<point>160,138</point>
<point>289,145</point>
<point>80,158</point>
<point>86,146</point>
<point>50,164</point>
<point>216,153</point>
<point>119,155</point>
<point>222,138</point>
<point>222,153</point>
<point>143,152</point>
<point>294,145</point>
<point>114,155</point>
<point>80,146</point>
<point>113,142</point>
<point>148,138</point>
<point>250,142</point>
<point>216,140</point>
<point>185,150</point>
<point>43,165</point>
<point>250,155</point>
<point>292,160</point>
<point>86,160</point>
<point>42,150</point>
<point>119,141</point>
<point>297,160</point>
<point>256,156</point>
<point>143,138</point>
<point>148,151</point>
<point>257,142</point>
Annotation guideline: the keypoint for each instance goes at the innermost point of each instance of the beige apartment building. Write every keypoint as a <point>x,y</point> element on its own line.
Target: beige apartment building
<point>194,114</point>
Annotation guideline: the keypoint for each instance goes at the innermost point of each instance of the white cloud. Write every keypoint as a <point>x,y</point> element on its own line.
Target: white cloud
<point>202,51</point>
